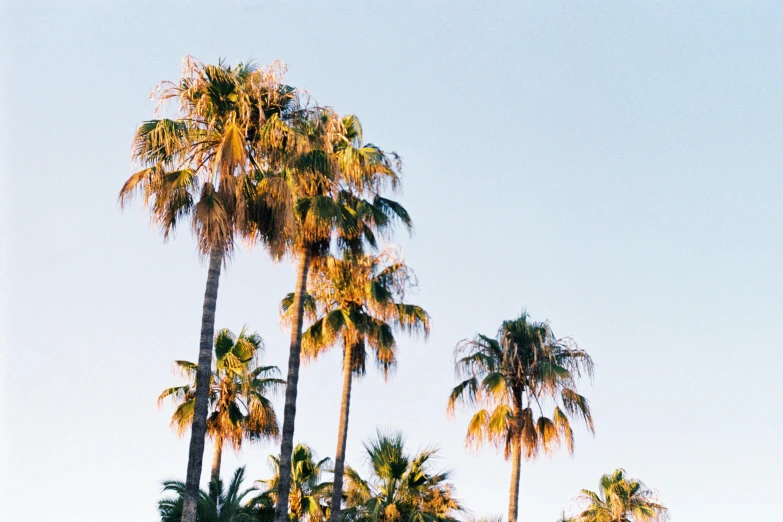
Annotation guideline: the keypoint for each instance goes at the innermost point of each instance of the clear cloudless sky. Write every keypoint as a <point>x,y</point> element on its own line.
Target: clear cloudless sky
<point>613,167</point>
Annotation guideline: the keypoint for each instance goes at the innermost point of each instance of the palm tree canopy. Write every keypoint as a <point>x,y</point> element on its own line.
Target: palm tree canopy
<point>239,391</point>
<point>334,182</point>
<point>510,378</point>
<point>622,499</point>
<point>217,505</point>
<point>402,486</point>
<point>205,163</point>
<point>359,300</point>
<point>309,494</point>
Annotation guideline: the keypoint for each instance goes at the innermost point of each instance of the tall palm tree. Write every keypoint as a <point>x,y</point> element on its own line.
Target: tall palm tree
<point>335,181</point>
<point>201,166</point>
<point>622,499</point>
<point>308,494</point>
<point>358,301</point>
<point>216,505</point>
<point>511,378</point>
<point>238,389</point>
<point>402,488</point>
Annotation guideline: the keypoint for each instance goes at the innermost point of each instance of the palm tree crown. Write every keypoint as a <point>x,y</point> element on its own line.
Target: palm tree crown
<point>216,505</point>
<point>334,183</point>
<point>358,300</point>
<point>403,487</point>
<point>512,376</point>
<point>240,408</point>
<point>622,499</point>
<point>202,164</point>
<point>309,494</point>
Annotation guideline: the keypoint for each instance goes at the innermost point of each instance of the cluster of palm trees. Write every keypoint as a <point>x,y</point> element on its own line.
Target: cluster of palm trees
<point>243,157</point>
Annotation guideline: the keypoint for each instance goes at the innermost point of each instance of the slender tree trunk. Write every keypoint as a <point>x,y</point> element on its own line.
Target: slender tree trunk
<point>342,434</point>
<point>289,413</point>
<point>217,456</point>
<point>198,429</point>
<point>516,459</point>
<point>516,465</point>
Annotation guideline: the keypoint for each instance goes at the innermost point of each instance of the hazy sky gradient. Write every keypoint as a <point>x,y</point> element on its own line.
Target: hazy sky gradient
<point>613,168</point>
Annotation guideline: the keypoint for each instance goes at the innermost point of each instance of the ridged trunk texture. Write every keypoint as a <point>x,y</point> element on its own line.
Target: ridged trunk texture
<point>342,434</point>
<point>289,412</point>
<point>198,431</point>
<point>217,457</point>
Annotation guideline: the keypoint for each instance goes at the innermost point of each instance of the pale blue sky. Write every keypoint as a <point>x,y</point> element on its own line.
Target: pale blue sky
<point>615,167</point>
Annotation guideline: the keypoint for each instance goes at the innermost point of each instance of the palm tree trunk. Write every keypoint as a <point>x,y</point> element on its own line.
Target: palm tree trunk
<point>199,427</point>
<point>289,413</point>
<point>516,459</point>
<point>516,465</point>
<point>342,434</point>
<point>217,456</point>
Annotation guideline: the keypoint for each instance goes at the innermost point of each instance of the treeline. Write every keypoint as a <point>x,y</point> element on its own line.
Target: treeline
<point>245,157</point>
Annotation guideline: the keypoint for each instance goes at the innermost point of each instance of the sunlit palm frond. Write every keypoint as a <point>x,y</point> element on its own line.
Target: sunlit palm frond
<point>239,389</point>
<point>621,499</point>
<point>465,393</point>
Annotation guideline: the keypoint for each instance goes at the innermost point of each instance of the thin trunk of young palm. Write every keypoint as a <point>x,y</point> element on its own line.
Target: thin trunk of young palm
<point>289,413</point>
<point>198,429</point>
<point>516,465</point>
<point>342,434</point>
<point>217,456</point>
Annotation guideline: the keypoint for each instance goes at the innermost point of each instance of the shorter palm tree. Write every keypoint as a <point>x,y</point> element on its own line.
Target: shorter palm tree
<point>216,505</point>
<point>308,496</point>
<point>358,302</point>
<point>622,499</point>
<point>402,488</point>
<point>239,406</point>
<point>510,379</point>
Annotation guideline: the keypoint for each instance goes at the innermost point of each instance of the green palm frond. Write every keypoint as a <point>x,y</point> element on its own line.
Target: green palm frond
<point>216,505</point>
<point>576,404</point>
<point>308,495</point>
<point>465,392</point>
<point>621,499</point>
<point>176,393</point>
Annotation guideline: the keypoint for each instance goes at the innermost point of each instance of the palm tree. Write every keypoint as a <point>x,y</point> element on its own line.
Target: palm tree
<point>359,302</point>
<point>308,494</point>
<point>402,488</point>
<point>239,407</point>
<point>216,505</point>
<point>622,499</point>
<point>201,166</point>
<point>335,182</point>
<point>510,378</point>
